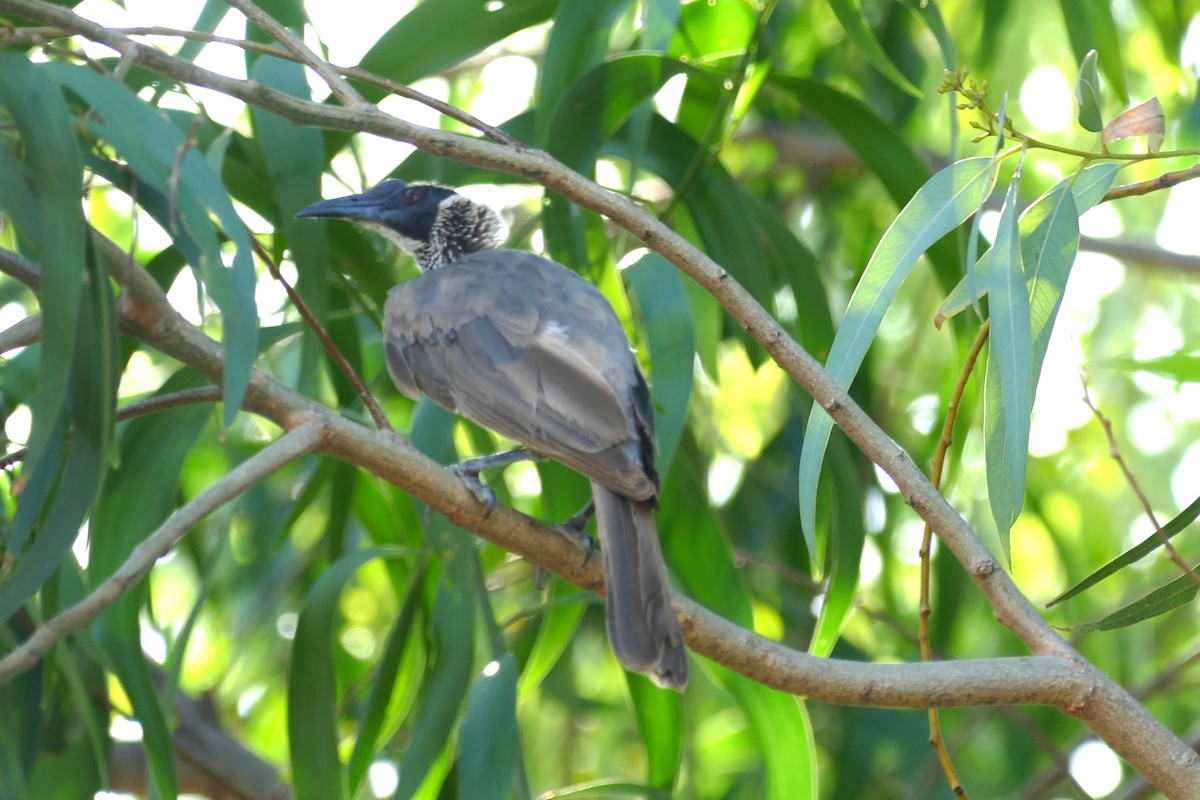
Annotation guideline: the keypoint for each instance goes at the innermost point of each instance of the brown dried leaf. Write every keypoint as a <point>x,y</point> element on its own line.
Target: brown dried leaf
<point>1146,120</point>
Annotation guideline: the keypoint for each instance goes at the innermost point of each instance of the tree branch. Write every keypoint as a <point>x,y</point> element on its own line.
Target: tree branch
<point>337,84</point>
<point>1090,695</point>
<point>287,448</point>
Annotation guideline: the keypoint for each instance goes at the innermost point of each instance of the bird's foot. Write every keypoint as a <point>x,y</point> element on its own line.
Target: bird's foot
<point>573,530</point>
<point>468,472</point>
<point>470,479</point>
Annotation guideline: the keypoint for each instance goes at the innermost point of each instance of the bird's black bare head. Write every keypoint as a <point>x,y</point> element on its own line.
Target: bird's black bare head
<point>434,224</point>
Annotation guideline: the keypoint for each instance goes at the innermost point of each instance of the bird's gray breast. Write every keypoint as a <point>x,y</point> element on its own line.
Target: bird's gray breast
<point>529,349</point>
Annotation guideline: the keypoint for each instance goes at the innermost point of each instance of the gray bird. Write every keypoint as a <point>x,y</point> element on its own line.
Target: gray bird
<point>526,347</point>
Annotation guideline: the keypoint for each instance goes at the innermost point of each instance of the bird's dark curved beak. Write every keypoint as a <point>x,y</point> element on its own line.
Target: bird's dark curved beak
<point>355,206</point>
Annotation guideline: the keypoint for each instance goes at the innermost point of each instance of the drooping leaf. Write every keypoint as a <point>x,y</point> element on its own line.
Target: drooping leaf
<point>488,739</point>
<point>1088,95</point>
<point>1008,396</point>
<point>160,155</point>
<point>943,203</point>
<point>138,497</point>
<point>565,605</point>
<point>1146,119</point>
<point>660,719</point>
<point>1091,26</point>
<point>371,723</point>
<point>312,683</point>
<point>1139,551</point>
<point>295,160</point>
<point>1044,232</point>
<point>449,676</point>
<point>42,193</point>
<point>578,42</point>
<point>1175,594</point>
<point>850,14</point>
<point>434,36</point>
<point>667,320</point>
<point>844,553</point>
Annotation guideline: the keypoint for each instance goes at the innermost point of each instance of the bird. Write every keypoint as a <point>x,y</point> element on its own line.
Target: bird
<point>528,348</point>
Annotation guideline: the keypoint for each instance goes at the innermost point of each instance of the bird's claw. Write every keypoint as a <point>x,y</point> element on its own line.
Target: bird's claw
<point>483,493</point>
<point>573,530</point>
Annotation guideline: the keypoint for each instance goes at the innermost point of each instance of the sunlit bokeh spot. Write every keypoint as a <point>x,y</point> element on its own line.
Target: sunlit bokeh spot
<point>1047,101</point>
<point>1177,230</point>
<point>1095,768</point>
<point>124,729</point>
<point>18,425</point>
<point>507,84</point>
<point>724,476</point>
<point>383,778</point>
<point>1102,222</point>
<point>285,624</point>
<point>1185,479</point>
<point>668,98</point>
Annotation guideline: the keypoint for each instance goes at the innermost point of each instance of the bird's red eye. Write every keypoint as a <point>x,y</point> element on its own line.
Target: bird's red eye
<point>414,194</point>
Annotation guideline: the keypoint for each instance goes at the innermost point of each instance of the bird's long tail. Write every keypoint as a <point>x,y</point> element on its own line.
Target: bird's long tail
<point>642,625</point>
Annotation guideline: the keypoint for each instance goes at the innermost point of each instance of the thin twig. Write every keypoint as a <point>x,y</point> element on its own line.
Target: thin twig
<point>21,333</point>
<point>795,577</point>
<point>1164,181</point>
<point>344,92</point>
<point>381,420</point>
<point>1114,450</point>
<point>292,445</point>
<point>40,35</point>
<point>151,405</point>
<point>939,464</point>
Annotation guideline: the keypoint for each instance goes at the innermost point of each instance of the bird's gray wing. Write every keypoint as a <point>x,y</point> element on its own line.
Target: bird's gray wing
<point>530,350</point>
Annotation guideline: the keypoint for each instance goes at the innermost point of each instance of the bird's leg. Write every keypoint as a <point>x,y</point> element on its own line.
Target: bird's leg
<point>468,472</point>
<point>572,528</point>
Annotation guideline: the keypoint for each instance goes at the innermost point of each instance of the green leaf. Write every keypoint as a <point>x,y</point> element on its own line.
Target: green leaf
<point>1091,27</point>
<point>700,555</point>
<point>850,14</point>
<point>1182,367</point>
<point>1088,95</point>
<point>449,673</point>
<point>564,609</point>
<point>91,409</point>
<point>434,36</point>
<point>152,147</point>
<point>844,553</point>
<point>1178,592</point>
<point>1008,396</point>
<point>295,160</point>
<point>1045,234</point>
<point>941,205</point>
<point>312,683</point>
<point>660,718</point>
<point>713,30</point>
<point>383,684</point>
<point>798,268</point>
<point>1139,551</point>
<point>578,42</point>
<point>138,497</point>
<point>883,148</point>
<point>488,741</point>
<point>783,733</point>
<point>43,196</point>
<point>667,319</point>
